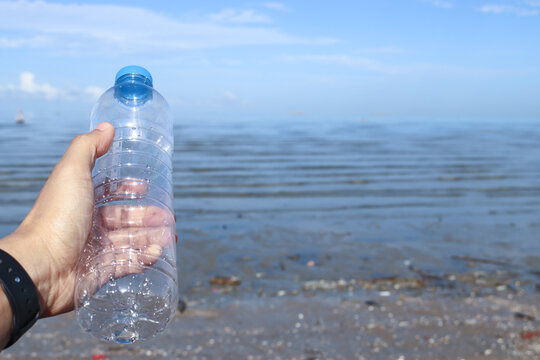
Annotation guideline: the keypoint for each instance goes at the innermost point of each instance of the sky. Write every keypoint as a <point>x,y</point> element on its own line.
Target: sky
<point>333,60</point>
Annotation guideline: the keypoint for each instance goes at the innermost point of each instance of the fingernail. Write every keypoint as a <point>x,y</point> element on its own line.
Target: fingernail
<point>155,250</point>
<point>102,126</point>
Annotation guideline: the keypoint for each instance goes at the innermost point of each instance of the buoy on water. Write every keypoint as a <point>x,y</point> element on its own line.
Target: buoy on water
<point>19,119</point>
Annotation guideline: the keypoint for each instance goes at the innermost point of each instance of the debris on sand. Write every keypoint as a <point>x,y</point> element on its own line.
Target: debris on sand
<point>328,285</point>
<point>225,281</point>
<point>530,334</point>
<point>182,306</point>
<point>471,259</point>
<point>522,316</point>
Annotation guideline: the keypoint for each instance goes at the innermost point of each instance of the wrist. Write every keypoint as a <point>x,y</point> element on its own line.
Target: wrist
<point>22,248</point>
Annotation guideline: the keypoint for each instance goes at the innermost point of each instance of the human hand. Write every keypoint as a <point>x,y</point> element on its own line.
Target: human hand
<point>50,239</point>
<point>58,230</point>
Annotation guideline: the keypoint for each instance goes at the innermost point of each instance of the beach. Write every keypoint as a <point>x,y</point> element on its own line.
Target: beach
<point>345,240</point>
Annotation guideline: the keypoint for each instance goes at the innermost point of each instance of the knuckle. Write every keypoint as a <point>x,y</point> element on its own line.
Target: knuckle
<point>84,143</point>
<point>79,139</point>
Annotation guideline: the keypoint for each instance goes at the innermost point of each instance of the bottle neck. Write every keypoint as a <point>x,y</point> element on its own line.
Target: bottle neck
<point>134,78</point>
<point>133,89</point>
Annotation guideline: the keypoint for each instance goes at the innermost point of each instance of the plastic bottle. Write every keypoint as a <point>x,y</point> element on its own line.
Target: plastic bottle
<point>127,281</point>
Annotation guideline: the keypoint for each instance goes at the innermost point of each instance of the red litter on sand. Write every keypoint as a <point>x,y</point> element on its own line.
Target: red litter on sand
<point>99,356</point>
<point>529,335</point>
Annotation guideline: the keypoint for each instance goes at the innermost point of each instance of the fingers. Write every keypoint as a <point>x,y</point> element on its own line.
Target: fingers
<point>150,254</point>
<point>128,250</point>
<point>125,216</point>
<point>132,186</point>
<point>138,238</point>
<point>86,148</point>
<point>120,189</point>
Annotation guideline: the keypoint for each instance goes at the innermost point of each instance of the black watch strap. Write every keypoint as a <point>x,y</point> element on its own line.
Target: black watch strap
<point>21,293</point>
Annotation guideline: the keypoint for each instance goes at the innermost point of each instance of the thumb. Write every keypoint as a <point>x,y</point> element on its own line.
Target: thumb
<point>86,148</point>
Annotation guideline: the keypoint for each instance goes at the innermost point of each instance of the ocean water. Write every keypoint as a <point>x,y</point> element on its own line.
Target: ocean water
<point>356,199</point>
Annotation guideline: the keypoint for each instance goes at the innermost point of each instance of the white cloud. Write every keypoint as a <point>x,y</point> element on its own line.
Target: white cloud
<point>223,100</point>
<point>29,87</point>
<point>275,6</point>
<point>441,3</point>
<point>375,66</point>
<point>495,9</point>
<point>33,41</point>
<point>239,17</point>
<point>229,96</point>
<point>113,29</point>
<point>93,92</point>
<point>347,60</point>
<point>508,9</point>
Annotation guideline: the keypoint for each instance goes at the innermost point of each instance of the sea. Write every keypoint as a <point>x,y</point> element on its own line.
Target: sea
<point>276,203</point>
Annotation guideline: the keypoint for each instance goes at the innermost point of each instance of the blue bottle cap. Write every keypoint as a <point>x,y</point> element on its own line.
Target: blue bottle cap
<point>134,70</point>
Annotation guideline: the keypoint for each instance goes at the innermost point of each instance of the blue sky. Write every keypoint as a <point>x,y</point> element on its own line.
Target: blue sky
<point>333,60</point>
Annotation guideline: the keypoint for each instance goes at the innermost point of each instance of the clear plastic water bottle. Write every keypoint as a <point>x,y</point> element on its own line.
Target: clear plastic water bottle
<point>127,281</point>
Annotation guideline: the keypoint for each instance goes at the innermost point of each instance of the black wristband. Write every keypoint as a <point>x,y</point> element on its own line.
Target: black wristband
<point>21,293</point>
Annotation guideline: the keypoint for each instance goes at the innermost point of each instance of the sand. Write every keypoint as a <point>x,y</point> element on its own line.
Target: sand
<point>340,325</point>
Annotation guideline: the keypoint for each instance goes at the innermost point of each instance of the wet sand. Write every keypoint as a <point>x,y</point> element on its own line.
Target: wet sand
<point>352,326</point>
<point>486,312</point>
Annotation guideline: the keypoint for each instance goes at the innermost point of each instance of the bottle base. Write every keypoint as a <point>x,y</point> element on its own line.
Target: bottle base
<point>128,309</point>
<point>123,336</point>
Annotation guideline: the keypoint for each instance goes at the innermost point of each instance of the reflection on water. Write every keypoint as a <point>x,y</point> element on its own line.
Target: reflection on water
<point>357,198</point>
